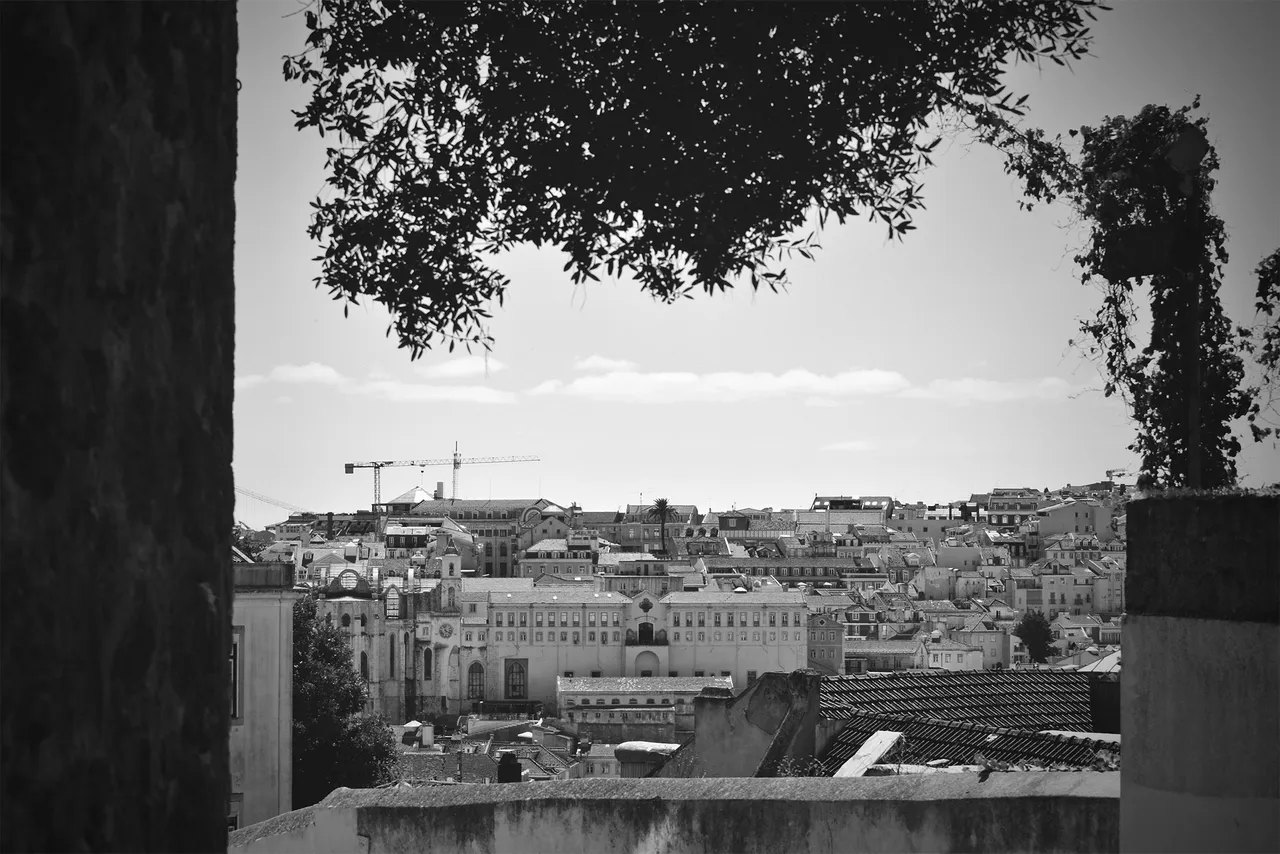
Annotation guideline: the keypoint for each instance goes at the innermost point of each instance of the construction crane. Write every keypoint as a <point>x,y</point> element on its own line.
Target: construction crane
<point>268,500</point>
<point>1117,473</point>
<point>456,462</point>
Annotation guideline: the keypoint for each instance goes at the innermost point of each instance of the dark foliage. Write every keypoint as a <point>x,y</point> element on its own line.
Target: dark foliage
<point>1151,226</point>
<point>1034,632</point>
<point>334,743</point>
<point>1262,341</point>
<point>682,143</point>
<point>661,510</point>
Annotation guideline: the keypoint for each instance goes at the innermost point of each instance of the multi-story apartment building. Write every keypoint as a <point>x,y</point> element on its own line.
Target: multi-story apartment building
<point>574,555</point>
<point>826,644</point>
<point>261,659</point>
<point>1087,516</point>
<point>739,635</point>
<point>1007,508</point>
<point>501,527</point>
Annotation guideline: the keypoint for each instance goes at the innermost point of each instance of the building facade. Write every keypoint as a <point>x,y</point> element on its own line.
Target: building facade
<point>261,668</point>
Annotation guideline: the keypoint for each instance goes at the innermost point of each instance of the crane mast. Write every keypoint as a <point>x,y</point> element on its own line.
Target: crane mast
<point>455,461</point>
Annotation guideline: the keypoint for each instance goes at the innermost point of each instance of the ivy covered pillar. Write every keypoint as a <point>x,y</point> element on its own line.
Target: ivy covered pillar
<point>116,370</point>
<point>1200,689</point>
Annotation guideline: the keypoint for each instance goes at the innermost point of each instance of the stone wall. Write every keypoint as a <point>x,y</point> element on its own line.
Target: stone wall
<point>1201,682</point>
<point>1028,812</point>
<point>116,347</point>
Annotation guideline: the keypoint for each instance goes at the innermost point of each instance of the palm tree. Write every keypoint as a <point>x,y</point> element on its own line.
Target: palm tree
<point>661,510</point>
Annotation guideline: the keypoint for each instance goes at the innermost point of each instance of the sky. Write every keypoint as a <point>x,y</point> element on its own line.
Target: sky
<point>926,369</point>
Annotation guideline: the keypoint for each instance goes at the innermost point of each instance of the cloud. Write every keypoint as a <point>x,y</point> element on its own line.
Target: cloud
<point>850,445</point>
<point>379,385</point>
<point>724,386</point>
<point>603,363</point>
<point>972,390</point>
<point>468,366</point>
<point>402,392</point>
<point>312,372</point>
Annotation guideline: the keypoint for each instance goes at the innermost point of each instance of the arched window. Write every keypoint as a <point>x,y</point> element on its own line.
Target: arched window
<point>364,666</point>
<point>516,681</point>
<point>426,664</point>
<point>453,595</point>
<point>391,646</point>
<point>475,682</point>
<point>346,621</point>
<point>363,621</point>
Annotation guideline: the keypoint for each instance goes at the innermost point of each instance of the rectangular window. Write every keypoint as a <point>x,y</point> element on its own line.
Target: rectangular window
<point>237,641</point>
<point>773,619</point>
<point>564,637</point>
<point>591,618</point>
<point>595,674</point>
<point>615,619</point>
<point>577,617</point>
<point>537,619</point>
<point>591,637</point>
<point>577,637</point>
<point>524,619</point>
<point>568,674</point>
<point>751,677</point>
<point>699,673</point>
<point>785,616</point>
<point>717,636</point>
<point>468,637</point>
<point>702,637</point>
<point>741,636</point>
<point>730,622</point>
<point>497,618</point>
<point>537,636</point>
<point>755,618</point>
<point>524,636</point>
<point>715,618</point>
<point>471,609</point>
<point>755,636</point>
<point>616,636</point>
<point>673,674</point>
<point>725,673</point>
<point>564,618</point>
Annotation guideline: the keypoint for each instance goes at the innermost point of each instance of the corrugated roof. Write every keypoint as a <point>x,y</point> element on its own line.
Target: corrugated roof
<point>476,767</point>
<point>926,739</point>
<point>1023,699</point>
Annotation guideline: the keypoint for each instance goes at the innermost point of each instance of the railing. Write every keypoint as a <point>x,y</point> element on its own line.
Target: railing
<point>652,642</point>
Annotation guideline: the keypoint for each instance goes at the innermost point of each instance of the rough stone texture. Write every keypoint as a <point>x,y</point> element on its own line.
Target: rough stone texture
<point>116,346</point>
<point>936,812</point>
<point>1208,556</point>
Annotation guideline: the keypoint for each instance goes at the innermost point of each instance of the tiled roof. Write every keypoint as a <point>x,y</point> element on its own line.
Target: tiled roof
<point>549,545</point>
<point>754,597</point>
<point>546,579</point>
<point>599,517</point>
<point>640,684</point>
<point>615,558</point>
<point>718,562</point>
<point>420,765</point>
<point>496,585</point>
<point>604,750</point>
<point>926,739</point>
<point>562,595</point>
<point>1022,699</point>
<point>881,647</point>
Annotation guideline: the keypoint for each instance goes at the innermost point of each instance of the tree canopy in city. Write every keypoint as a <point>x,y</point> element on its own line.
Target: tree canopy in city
<point>1036,635</point>
<point>683,144</point>
<point>334,742</point>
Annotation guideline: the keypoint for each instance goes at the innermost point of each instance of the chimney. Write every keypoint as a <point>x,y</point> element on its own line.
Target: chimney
<point>439,493</point>
<point>329,528</point>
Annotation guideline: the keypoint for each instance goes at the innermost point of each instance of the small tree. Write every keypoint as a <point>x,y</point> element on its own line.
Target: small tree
<point>661,510</point>
<point>334,743</point>
<point>1034,632</point>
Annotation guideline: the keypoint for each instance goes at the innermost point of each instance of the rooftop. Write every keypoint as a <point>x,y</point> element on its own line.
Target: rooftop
<point>1021,699</point>
<point>927,739</point>
<point>639,684</point>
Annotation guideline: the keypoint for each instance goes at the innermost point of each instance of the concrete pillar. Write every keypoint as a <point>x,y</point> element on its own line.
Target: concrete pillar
<point>1201,679</point>
<point>116,372</point>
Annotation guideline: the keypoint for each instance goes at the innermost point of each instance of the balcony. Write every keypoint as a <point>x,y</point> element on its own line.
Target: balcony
<point>650,642</point>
